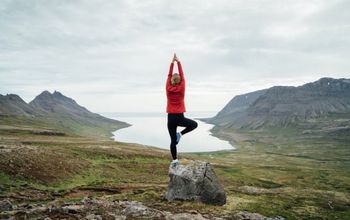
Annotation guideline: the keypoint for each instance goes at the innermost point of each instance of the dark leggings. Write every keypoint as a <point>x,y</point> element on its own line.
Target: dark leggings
<point>175,120</point>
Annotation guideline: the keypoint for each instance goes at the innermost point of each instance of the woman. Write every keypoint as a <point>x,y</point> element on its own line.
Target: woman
<point>175,91</point>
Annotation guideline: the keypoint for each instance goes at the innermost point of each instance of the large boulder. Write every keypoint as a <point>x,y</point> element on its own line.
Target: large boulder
<point>195,180</point>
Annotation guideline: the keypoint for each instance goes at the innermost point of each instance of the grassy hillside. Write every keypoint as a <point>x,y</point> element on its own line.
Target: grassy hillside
<point>64,124</point>
<point>271,172</point>
<point>301,173</point>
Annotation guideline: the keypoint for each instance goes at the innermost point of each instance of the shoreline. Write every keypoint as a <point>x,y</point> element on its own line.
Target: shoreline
<point>128,137</point>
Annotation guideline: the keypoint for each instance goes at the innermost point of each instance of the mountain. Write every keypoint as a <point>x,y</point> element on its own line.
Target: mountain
<point>12,104</point>
<point>286,105</point>
<point>58,112</point>
<point>56,104</point>
<point>235,108</point>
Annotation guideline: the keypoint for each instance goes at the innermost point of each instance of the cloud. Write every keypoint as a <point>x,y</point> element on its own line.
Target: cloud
<point>114,55</point>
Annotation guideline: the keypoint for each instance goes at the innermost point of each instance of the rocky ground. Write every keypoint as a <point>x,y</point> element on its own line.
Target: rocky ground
<point>69,177</point>
<point>89,209</point>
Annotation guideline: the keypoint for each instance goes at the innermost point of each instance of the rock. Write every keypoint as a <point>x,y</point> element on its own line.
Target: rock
<point>73,209</point>
<point>96,209</point>
<point>137,209</point>
<point>195,180</point>
<point>5,205</point>
<point>114,216</point>
<point>93,217</point>
<point>254,216</point>
<point>256,190</point>
<point>185,216</point>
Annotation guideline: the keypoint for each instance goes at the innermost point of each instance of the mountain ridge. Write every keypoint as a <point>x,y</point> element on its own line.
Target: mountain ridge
<point>12,104</point>
<point>285,105</point>
<point>47,102</point>
<point>58,112</point>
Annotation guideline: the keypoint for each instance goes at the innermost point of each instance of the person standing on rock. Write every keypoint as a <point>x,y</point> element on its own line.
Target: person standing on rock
<point>175,92</point>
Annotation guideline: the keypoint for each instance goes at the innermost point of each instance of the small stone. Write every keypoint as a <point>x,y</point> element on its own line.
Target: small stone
<point>93,217</point>
<point>87,200</point>
<point>73,209</point>
<point>193,211</point>
<point>114,216</point>
<point>185,216</point>
<point>137,209</point>
<point>6,205</point>
<point>243,215</point>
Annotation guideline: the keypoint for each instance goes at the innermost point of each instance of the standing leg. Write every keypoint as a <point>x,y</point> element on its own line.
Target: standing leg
<point>172,132</point>
<point>188,124</point>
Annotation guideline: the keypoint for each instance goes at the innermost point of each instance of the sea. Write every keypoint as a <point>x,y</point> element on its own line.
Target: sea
<point>150,128</point>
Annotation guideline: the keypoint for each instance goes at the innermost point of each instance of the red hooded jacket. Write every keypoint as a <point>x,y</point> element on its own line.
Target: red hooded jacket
<point>175,94</point>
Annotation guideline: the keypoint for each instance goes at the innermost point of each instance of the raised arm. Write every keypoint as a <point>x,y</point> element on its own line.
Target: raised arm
<point>181,86</point>
<point>179,67</point>
<point>171,69</point>
<point>181,72</point>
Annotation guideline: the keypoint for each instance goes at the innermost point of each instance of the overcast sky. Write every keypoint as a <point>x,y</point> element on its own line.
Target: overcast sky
<point>113,56</point>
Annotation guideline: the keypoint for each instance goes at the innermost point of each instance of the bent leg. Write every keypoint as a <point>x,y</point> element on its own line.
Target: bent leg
<point>189,125</point>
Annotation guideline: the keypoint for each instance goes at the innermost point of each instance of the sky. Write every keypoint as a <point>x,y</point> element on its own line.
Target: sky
<point>114,55</point>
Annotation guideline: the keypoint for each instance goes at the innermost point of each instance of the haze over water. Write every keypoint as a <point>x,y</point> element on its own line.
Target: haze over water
<point>151,129</point>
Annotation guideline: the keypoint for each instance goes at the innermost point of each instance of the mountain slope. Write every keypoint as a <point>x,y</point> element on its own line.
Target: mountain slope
<point>235,108</point>
<point>66,114</point>
<point>57,103</point>
<point>56,112</point>
<point>12,104</point>
<point>287,105</point>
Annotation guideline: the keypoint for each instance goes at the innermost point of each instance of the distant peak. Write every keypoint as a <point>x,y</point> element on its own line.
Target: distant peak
<point>14,97</point>
<point>329,79</point>
<point>325,78</point>
<point>57,93</point>
<point>45,93</point>
<point>326,82</point>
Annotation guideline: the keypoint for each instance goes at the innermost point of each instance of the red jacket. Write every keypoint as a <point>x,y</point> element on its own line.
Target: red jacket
<point>175,94</point>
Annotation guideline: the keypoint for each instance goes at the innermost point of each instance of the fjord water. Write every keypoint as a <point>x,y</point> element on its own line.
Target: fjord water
<point>151,129</point>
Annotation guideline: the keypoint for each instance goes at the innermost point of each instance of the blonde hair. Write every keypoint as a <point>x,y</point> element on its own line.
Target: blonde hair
<point>175,79</point>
